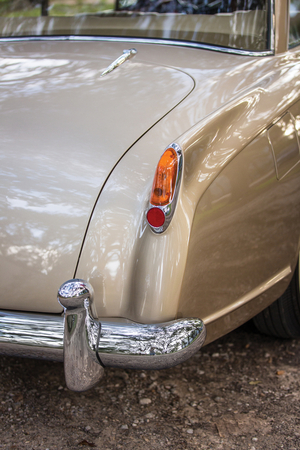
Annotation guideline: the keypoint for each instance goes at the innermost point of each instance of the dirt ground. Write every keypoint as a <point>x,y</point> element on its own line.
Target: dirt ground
<point>240,392</point>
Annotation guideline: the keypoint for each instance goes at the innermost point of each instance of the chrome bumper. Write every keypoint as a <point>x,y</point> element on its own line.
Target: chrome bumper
<point>87,345</point>
<point>32,335</point>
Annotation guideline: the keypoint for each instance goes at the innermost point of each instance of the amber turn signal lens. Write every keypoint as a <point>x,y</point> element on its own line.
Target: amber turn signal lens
<point>165,179</point>
<point>156,217</point>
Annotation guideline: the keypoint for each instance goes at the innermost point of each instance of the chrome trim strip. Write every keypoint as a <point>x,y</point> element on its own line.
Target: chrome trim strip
<point>272,25</point>
<point>141,41</point>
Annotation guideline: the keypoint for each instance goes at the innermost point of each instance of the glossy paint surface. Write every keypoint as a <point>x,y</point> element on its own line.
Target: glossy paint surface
<point>238,205</point>
<point>145,277</point>
<point>244,238</point>
<point>63,127</point>
<point>281,25</point>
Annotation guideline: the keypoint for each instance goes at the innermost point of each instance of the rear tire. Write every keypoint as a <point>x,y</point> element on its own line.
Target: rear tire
<point>282,318</point>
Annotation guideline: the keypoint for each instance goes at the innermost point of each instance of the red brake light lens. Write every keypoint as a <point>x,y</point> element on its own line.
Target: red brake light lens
<point>156,217</point>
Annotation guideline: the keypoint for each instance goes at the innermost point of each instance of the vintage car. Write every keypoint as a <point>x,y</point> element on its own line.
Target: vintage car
<point>150,174</point>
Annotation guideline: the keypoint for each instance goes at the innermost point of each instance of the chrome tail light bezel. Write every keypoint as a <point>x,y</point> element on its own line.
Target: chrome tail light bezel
<point>169,209</point>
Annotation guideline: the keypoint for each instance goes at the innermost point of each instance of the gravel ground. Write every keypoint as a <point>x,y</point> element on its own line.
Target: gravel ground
<point>240,392</point>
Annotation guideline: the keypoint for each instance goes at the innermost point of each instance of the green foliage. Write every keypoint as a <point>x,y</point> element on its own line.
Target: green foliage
<point>33,8</point>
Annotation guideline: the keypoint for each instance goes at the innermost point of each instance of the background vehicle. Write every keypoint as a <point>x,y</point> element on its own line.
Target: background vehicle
<point>158,259</point>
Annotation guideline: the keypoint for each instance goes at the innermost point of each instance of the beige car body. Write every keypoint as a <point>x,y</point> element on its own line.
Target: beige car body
<point>233,243</point>
<point>213,261</point>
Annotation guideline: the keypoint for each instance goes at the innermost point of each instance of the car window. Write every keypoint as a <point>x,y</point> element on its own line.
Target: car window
<point>294,35</point>
<point>237,24</point>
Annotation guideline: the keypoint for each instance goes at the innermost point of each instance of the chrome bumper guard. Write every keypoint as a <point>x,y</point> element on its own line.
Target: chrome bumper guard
<point>87,345</point>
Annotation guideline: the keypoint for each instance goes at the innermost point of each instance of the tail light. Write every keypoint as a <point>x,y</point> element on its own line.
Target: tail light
<point>165,189</point>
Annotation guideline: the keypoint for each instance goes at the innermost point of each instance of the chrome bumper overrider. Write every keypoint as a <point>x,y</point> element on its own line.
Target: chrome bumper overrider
<point>87,345</point>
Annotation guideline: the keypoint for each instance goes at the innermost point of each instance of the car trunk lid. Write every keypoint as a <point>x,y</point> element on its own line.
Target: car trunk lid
<point>63,129</point>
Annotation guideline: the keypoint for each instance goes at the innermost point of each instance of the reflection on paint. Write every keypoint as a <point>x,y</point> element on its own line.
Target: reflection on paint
<point>62,131</point>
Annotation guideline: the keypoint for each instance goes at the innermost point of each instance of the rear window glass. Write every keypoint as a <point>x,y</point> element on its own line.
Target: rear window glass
<point>237,24</point>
